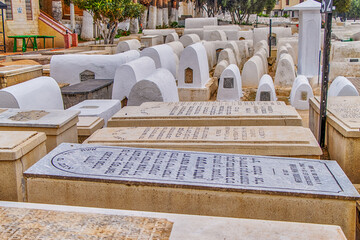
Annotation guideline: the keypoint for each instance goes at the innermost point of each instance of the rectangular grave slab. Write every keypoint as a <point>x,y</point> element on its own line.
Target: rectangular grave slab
<point>212,184</point>
<point>18,151</point>
<point>197,94</point>
<point>11,75</point>
<point>151,40</point>
<point>342,132</point>
<point>235,113</point>
<point>284,141</point>
<point>84,223</point>
<point>89,89</point>
<point>87,126</point>
<point>58,125</point>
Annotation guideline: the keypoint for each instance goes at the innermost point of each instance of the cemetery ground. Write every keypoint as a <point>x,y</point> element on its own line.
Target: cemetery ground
<point>198,133</point>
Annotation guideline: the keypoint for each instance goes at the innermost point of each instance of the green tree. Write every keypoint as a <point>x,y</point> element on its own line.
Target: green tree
<point>108,14</point>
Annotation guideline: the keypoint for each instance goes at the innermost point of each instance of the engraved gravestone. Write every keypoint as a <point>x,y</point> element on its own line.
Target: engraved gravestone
<point>265,96</point>
<point>206,170</point>
<point>228,82</point>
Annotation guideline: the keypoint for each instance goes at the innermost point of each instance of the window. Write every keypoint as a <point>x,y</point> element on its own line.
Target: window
<point>9,13</point>
<point>28,10</point>
<point>287,2</point>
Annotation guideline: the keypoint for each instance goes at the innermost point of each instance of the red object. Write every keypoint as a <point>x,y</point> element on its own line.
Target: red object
<point>74,39</point>
<point>67,39</point>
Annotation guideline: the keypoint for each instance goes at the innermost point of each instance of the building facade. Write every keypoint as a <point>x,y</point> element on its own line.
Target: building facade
<point>282,4</point>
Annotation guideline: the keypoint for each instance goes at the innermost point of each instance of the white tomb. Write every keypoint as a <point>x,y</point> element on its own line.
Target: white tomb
<point>189,39</point>
<point>266,89</point>
<point>230,87</point>
<point>262,44</point>
<point>341,86</point>
<point>200,22</point>
<point>152,17</point>
<point>193,67</point>
<point>129,74</point>
<point>157,87</point>
<point>151,40</point>
<point>214,35</point>
<point>285,71</point>
<point>104,109</point>
<point>252,72</point>
<point>309,37</point>
<point>177,47</point>
<point>163,56</point>
<point>262,53</point>
<point>282,50</point>
<point>73,68</point>
<point>172,37</point>
<point>210,52</point>
<point>291,51</point>
<point>196,31</point>
<point>124,46</point>
<point>301,92</point>
<point>220,67</point>
<point>228,55</point>
<point>233,46</point>
<point>42,93</point>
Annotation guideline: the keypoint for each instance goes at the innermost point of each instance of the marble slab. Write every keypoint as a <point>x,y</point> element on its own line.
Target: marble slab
<point>242,173</point>
<point>257,140</point>
<point>181,226</point>
<point>206,114</point>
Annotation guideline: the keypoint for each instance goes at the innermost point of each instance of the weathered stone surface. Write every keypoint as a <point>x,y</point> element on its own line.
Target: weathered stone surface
<point>18,151</point>
<point>207,114</point>
<point>11,75</point>
<point>87,126</point>
<point>146,180</point>
<point>268,141</point>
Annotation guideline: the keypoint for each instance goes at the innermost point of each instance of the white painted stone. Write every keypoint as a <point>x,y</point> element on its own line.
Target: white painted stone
<point>244,47</point>
<point>124,46</point>
<point>159,17</point>
<point>281,50</point>
<point>231,31</point>
<point>166,16</point>
<point>189,39</point>
<point>194,58</point>
<point>214,35</point>
<point>228,55</point>
<point>42,93</point>
<point>163,56</point>
<point>341,86</point>
<point>151,40</point>
<point>266,89</point>
<point>162,32</point>
<point>87,28</point>
<point>262,53</point>
<point>263,33</point>
<point>285,71</point>
<point>210,52</point>
<point>309,37</point>
<point>152,17</point>
<point>291,51</point>
<point>134,26</point>
<point>220,67</point>
<point>342,50</point>
<point>177,47</point>
<point>67,68</point>
<point>173,15</point>
<point>245,35</point>
<point>233,46</point>
<point>197,31</point>
<point>252,72</point>
<point>172,37</point>
<point>157,87</point>
<point>230,86</point>
<point>293,42</point>
<point>200,22</point>
<point>104,109</point>
<point>262,44</point>
<point>301,92</point>
<point>129,74</point>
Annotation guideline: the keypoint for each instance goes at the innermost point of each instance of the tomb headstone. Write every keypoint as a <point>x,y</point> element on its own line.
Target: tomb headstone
<point>285,71</point>
<point>233,46</point>
<point>160,86</point>
<point>211,53</point>
<point>131,178</point>
<point>230,86</point>
<point>252,72</point>
<point>172,37</point>
<point>124,46</point>
<point>235,113</point>
<point>189,39</point>
<point>87,126</point>
<point>68,68</point>
<point>177,47</point>
<point>104,109</point>
<point>163,56</point>
<point>58,125</point>
<point>18,151</point>
<point>40,93</point>
<point>341,86</point>
<point>266,89</point>
<point>263,55</point>
<point>301,92</point>
<point>262,44</point>
<point>228,55</point>
<point>214,35</point>
<point>151,40</point>
<point>128,74</point>
<point>220,67</point>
